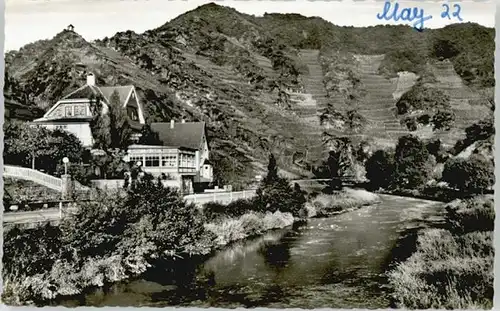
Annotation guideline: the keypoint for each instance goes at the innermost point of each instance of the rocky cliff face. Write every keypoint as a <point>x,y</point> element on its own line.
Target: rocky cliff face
<point>260,83</point>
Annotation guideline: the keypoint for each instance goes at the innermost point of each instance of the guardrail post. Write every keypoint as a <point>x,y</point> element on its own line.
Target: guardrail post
<point>214,195</point>
<point>60,210</point>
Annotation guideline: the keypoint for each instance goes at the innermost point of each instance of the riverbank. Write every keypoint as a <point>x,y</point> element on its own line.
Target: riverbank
<point>41,273</point>
<point>335,262</point>
<point>452,268</point>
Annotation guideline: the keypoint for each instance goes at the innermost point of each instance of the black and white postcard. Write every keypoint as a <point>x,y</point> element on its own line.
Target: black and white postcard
<point>272,154</point>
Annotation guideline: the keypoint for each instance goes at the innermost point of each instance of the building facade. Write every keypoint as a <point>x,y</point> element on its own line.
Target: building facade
<point>183,155</point>
<point>73,112</point>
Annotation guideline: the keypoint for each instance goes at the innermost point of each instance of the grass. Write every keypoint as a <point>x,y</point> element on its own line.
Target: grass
<point>229,230</point>
<point>340,201</point>
<point>451,269</point>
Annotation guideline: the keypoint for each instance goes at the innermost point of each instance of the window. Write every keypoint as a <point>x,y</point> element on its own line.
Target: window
<point>152,161</point>
<point>132,113</point>
<point>80,110</point>
<point>183,160</point>
<point>169,161</point>
<point>190,161</point>
<point>68,111</point>
<point>135,159</point>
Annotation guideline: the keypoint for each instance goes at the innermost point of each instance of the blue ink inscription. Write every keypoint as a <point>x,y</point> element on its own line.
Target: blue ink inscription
<point>406,14</point>
<point>456,14</point>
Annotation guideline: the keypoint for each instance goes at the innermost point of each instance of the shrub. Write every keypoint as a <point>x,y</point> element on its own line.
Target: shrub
<point>477,214</point>
<point>443,120</point>
<point>446,272</point>
<point>411,162</point>
<point>474,175</point>
<point>380,169</point>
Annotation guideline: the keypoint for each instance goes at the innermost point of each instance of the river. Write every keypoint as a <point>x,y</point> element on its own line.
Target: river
<point>336,262</point>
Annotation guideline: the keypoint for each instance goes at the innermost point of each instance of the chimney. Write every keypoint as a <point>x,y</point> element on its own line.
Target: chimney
<point>172,122</point>
<point>183,121</point>
<point>91,79</point>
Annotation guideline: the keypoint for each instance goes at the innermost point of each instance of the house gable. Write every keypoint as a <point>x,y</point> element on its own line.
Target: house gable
<point>76,105</point>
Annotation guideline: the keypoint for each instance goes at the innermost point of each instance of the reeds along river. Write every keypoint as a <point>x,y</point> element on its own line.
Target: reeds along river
<point>337,262</point>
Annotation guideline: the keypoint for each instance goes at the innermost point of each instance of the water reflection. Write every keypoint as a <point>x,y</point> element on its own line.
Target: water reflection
<point>337,262</point>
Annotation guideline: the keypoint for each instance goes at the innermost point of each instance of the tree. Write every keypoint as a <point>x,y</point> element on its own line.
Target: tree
<point>410,160</point>
<point>443,120</point>
<point>341,159</point>
<point>149,137</point>
<point>120,129</point>
<point>480,130</point>
<point>30,142</point>
<point>355,121</point>
<point>272,171</point>
<point>444,49</point>
<point>380,169</point>
<point>473,175</point>
<point>275,193</point>
<point>111,132</point>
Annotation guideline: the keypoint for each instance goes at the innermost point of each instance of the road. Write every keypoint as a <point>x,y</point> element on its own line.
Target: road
<point>199,199</point>
<point>51,214</point>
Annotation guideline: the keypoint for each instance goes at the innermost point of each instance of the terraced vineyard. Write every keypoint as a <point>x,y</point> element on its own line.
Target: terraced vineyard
<point>378,107</point>
<point>460,97</point>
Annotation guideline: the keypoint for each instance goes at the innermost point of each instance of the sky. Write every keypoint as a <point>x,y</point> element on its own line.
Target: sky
<point>29,20</point>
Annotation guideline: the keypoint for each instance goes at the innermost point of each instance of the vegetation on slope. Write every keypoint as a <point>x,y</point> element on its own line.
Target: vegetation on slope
<point>235,71</point>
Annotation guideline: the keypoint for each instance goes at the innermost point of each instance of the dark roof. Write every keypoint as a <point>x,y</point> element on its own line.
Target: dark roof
<point>206,162</point>
<point>106,91</point>
<point>85,91</point>
<point>123,92</point>
<point>187,134</point>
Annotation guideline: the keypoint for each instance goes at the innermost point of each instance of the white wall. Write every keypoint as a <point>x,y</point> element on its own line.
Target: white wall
<point>79,129</point>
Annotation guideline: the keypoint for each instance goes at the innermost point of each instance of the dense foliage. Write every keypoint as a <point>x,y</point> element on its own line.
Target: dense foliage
<point>475,174</point>
<point>36,146</point>
<point>452,268</point>
<point>276,194</point>
<point>380,169</point>
<point>120,234</point>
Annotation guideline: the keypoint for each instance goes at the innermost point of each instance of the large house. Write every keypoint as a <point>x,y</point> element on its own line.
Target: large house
<point>183,156</point>
<point>73,112</point>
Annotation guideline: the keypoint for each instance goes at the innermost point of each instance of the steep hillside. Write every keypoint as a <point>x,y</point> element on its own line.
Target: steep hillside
<point>265,84</point>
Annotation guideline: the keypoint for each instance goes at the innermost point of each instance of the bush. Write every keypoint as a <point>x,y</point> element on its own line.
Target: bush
<point>443,120</point>
<point>446,272</point>
<point>276,194</point>
<point>380,169</point>
<point>104,241</point>
<point>477,214</point>
<point>411,162</point>
<point>473,175</point>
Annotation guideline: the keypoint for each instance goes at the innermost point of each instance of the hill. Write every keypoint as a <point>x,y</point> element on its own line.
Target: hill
<point>268,84</point>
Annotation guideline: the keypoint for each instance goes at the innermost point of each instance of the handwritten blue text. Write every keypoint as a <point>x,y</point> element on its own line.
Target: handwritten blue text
<point>392,11</point>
